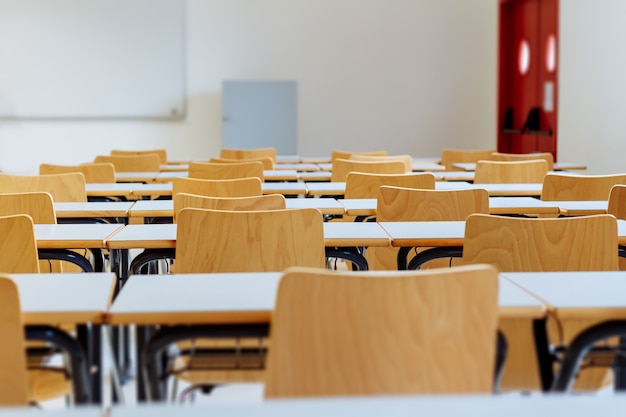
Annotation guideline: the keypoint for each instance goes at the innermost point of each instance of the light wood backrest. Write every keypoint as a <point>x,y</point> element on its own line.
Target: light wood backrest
<point>547,156</point>
<point>68,187</point>
<point>262,202</point>
<point>230,153</point>
<point>13,375</point>
<point>363,185</point>
<point>132,163</point>
<point>346,154</point>
<point>238,187</point>
<point>407,159</point>
<point>342,167</point>
<point>248,241</point>
<point>17,245</point>
<point>579,187</point>
<point>617,201</point>
<point>223,171</point>
<point>515,244</point>
<point>383,333</point>
<point>507,172</point>
<point>38,205</point>
<point>451,156</point>
<point>94,172</point>
<point>162,153</point>
<point>268,163</point>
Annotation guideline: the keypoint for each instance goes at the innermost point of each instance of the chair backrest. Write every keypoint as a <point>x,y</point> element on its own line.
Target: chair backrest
<point>238,187</point>
<point>224,171</point>
<point>547,156</point>
<point>579,187</point>
<point>515,244</point>
<point>342,167</point>
<point>17,245</point>
<point>68,187</point>
<point>38,205</point>
<point>505,172</point>
<point>347,155</point>
<point>13,375</point>
<point>451,156</point>
<point>268,163</point>
<point>407,159</point>
<point>94,172</point>
<point>162,153</point>
<point>363,185</point>
<point>132,163</point>
<point>230,153</point>
<point>617,201</point>
<point>262,202</point>
<point>383,333</point>
<point>248,241</point>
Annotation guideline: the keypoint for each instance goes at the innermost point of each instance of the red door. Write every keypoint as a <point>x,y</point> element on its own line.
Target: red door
<point>527,76</point>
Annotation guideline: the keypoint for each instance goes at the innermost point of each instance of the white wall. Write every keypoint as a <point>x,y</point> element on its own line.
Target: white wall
<point>408,76</point>
<point>592,77</point>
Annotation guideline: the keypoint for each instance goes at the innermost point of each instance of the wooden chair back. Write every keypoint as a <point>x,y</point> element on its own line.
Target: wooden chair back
<point>224,171</point>
<point>515,244</point>
<point>68,187</point>
<point>506,172</point>
<point>248,241</point>
<point>347,155</point>
<point>451,156</point>
<point>38,205</point>
<point>18,245</point>
<point>342,167</point>
<point>617,201</point>
<point>93,172</point>
<point>162,153</point>
<point>268,163</point>
<point>547,156</point>
<point>407,159</point>
<point>230,153</point>
<point>363,185</point>
<point>132,163</point>
<point>579,187</point>
<point>383,333</point>
<point>262,202</point>
<point>13,376</point>
<point>238,187</point>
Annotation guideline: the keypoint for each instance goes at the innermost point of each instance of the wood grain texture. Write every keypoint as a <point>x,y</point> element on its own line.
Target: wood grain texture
<point>239,187</point>
<point>162,153</point>
<point>248,241</point>
<point>579,187</point>
<point>338,154</point>
<point>268,163</point>
<point>547,156</point>
<point>341,168</point>
<point>132,163</point>
<point>103,172</point>
<point>510,172</point>
<point>262,202</point>
<point>451,156</point>
<point>38,205</point>
<point>17,245</point>
<point>225,171</point>
<point>230,153</point>
<point>62,187</point>
<point>617,201</point>
<point>407,159</point>
<point>383,333</point>
<point>366,185</point>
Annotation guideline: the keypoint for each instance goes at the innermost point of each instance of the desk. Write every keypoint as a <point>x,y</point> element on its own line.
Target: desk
<point>339,188</point>
<point>174,167</point>
<point>165,190</point>
<point>558,166</point>
<point>92,209</point>
<point>124,190</point>
<point>582,208</point>
<point>299,167</point>
<point>140,176</point>
<point>507,190</point>
<point>51,299</point>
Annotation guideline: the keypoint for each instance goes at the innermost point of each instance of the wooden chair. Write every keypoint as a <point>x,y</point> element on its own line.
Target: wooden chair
<point>407,159</point>
<point>263,202</point>
<point>68,187</point>
<point>239,187</point>
<point>383,333</point>
<point>452,156</point>
<point>617,201</point>
<point>347,155</point>
<point>231,153</point>
<point>364,185</point>
<point>579,187</point>
<point>396,204</point>
<point>134,163</point>
<point>268,163</point>
<point>162,153</point>
<point>535,245</point>
<point>505,172</point>
<point>342,167</point>
<point>547,156</point>
<point>18,245</point>
<point>224,171</point>
<point>93,172</point>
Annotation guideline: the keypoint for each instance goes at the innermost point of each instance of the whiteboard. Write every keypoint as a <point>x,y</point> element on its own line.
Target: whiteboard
<point>92,59</point>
